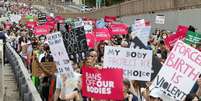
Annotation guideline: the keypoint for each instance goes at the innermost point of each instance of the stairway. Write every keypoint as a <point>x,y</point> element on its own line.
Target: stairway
<point>11,91</point>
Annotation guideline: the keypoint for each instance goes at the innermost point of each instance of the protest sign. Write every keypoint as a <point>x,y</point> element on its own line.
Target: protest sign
<point>139,23</point>
<point>136,63</point>
<point>102,34</point>
<point>59,19</point>
<point>59,53</point>
<point>31,24</point>
<point>179,72</point>
<point>102,83</point>
<point>143,33</point>
<point>160,19</point>
<point>44,68</point>
<point>41,30</point>
<point>100,23</point>
<point>88,26</point>
<point>193,38</point>
<point>180,35</point>
<point>15,18</point>
<point>42,18</point>
<point>78,24</point>
<point>116,29</point>
<point>49,18</point>
<point>76,44</point>
<point>136,43</point>
<point>51,24</point>
<point>91,40</point>
<point>110,18</point>
<point>25,19</point>
<point>182,30</point>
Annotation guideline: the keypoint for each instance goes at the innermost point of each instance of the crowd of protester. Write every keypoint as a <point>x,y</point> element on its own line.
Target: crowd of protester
<point>52,88</point>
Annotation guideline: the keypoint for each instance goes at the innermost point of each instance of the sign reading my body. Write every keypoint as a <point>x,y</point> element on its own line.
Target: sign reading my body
<point>131,54</point>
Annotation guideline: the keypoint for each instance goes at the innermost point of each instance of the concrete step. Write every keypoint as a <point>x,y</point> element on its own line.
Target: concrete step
<point>11,91</point>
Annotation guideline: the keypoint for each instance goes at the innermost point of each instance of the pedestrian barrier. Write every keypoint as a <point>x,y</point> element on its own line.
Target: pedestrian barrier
<point>28,92</point>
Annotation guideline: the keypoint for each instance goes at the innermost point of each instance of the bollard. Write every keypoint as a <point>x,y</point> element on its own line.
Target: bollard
<point>27,96</point>
<point>19,74</point>
<point>21,85</point>
<point>23,90</point>
<point>28,92</point>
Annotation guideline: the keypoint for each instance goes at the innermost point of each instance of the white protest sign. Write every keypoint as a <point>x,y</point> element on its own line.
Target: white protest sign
<point>59,53</point>
<point>179,72</point>
<point>78,24</point>
<point>143,34</point>
<point>160,19</point>
<point>139,23</point>
<point>137,63</point>
<point>141,30</point>
<point>15,18</point>
<point>88,26</point>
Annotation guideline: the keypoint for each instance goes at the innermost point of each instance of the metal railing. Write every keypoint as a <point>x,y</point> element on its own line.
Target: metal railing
<point>27,90</point>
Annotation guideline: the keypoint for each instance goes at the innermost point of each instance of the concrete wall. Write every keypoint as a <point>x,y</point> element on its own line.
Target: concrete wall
<point>173,18</point>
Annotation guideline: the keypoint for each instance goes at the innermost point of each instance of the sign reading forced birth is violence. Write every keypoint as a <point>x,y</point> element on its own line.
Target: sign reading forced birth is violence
<point>97,84</point>
<point>59,53</point>
<point>179,72</point>
<point>136,63</point>
<point>76,44</point>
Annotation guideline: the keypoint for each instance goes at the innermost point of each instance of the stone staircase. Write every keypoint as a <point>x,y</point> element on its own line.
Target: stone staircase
<point>11,91</point>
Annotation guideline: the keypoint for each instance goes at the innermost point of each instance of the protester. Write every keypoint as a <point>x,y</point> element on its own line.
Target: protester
<point>35,49</point>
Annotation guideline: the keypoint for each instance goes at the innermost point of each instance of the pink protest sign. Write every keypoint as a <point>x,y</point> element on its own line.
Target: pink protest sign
<point>102,34</point>
<point>31,24</point>
<point>102,83</point>
<point>110,18</point>
<point>41,30</point>
<point>91,39</point>
<point>118,29</point>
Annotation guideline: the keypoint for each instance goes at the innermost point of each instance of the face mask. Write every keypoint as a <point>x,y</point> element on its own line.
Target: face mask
<point>159,55</point>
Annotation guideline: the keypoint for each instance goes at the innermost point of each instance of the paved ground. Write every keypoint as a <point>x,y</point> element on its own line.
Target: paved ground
<point>11,91</point>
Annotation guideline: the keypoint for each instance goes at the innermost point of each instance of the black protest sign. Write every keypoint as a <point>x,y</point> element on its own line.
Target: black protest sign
<point>42,18</point>
<point>76,44</point>
<point>62,27</point>
<point>137,43</point>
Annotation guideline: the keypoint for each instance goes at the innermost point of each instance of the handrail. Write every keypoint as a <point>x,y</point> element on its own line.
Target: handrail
<point>27,89</point>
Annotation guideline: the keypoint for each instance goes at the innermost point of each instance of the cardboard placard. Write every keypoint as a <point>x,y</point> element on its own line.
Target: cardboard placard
<point>179,72</point>
<point>45,68</point>
<point>59,54</point>
<point>136,63</point>
<point>97,84</point>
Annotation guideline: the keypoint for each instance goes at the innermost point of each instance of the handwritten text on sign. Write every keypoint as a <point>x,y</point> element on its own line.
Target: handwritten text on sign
<point>136,63</point>
<point>59,53</point>
<point>76,44</point>
<point>180,71</point>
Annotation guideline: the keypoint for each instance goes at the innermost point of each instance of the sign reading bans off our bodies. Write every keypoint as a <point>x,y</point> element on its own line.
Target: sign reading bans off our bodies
<point>179,72</point>
<point>97,84</point>
<point>136,63</point>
